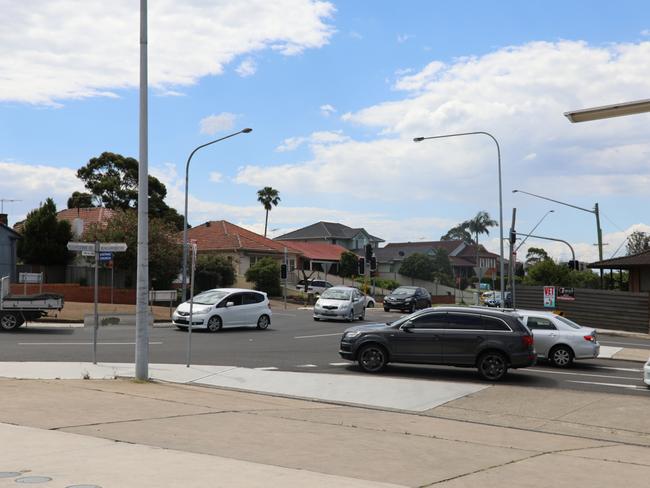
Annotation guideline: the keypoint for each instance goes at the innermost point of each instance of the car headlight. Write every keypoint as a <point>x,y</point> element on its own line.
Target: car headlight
<point>352,334</point>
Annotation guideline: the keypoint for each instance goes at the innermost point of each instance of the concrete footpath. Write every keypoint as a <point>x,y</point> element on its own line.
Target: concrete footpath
<point>122,433</point>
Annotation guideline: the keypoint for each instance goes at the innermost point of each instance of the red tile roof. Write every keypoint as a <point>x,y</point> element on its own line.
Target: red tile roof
<point>220,235</point>
<point>88,216</point>
<point>317,250</point>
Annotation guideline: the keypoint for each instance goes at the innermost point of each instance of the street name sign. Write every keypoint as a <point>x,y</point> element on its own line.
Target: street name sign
<point>112,246</point>
<point>81,246</point>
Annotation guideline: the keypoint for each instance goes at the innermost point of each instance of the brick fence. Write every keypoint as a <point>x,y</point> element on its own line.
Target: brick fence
<point>73,292</point>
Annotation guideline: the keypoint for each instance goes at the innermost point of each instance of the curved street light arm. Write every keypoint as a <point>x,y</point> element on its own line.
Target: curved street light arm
<point>501,269</point>
<point>551,239</point>
<point>533,230</point>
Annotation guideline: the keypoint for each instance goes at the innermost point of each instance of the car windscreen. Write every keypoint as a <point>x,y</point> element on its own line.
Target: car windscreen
<point>209,297</point>
<point>568,322</point>
<point>403,291</point>
<point>333,294</point>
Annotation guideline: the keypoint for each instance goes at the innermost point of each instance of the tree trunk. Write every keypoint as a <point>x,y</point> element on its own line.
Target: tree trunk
<point>266,222</point>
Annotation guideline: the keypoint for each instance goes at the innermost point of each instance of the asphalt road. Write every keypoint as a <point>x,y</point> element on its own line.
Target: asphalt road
<point>294,342</point>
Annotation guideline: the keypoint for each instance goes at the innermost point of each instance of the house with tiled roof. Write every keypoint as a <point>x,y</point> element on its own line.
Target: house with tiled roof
<point>638,265</point>
<point>317,256</point>
<point>241,246</point>
<point>80,219</point>
<point>462,256</point>
<point>353,239</point>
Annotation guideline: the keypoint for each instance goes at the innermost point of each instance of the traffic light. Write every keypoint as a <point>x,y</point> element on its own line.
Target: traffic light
<point>368,252</point>
<point>574,264</point>
<point>362,266</point>
<point>513,236</point>
<point>283,271</point>
<point>373,264</point>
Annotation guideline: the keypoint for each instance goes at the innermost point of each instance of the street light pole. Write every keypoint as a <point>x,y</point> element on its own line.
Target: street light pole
<point>187,171</point>
<point>420,139</point>
<point>533,230</point>
<point>595,211</point>
<point>142,273</point>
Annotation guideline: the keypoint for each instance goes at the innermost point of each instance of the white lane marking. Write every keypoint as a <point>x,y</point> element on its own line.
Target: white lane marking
<point>644,346</point>
<point>276,314</point>
<point>616,385</point>
<point>341,364</point>
<point>582,374</point>
<point>319,335</point>
<point>306,366</point>
<point>608,352</point>
<point>83,343</point>
<point>632,370</point>
<point>267,368</point>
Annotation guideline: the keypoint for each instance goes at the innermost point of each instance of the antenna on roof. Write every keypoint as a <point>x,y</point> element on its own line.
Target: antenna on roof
<point>2,203</point>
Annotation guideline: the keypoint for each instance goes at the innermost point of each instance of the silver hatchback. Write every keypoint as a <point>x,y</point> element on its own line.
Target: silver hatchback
<point>341,302</point>
<point>559,339</point>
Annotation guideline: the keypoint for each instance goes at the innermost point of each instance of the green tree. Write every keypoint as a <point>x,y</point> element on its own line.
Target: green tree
<point>419,266</point>
<point>535,255</point>
<point>584,279</point>
<point>348,265</point>
<point>458,233</point>
<point>442,269</point>
<point>80,200</point>
<point>165,249</point>
<point>44,237</point>
<point>637,242</point>
<point>213,271</point>
<point>269,198</point>
<point>113,180</point>
<point>265,273</point>
<point>547,272</point>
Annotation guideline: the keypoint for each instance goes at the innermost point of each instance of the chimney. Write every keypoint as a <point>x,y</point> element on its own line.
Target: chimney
<point>4,219</point>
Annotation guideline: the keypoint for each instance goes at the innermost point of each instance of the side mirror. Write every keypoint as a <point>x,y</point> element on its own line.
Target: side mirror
<point>407,327</point>
<point>230,304</point>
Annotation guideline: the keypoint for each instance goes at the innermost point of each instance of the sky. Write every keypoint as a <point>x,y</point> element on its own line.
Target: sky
<point>335,92</point>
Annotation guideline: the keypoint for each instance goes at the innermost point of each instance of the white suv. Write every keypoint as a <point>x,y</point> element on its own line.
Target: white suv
<point>314,286</point>
<point>225,307</point>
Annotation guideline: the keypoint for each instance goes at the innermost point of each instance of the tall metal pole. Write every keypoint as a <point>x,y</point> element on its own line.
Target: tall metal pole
<point>142,292</point>
<point>187,173</point>
<point>513,259</point>
<point>96,311</point>
<point>286,264</point>
<point>501,268</point>
<point>191,317</point>
<point>600,240</point>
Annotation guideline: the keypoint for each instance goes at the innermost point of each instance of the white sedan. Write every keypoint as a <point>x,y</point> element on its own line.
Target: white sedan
<point>559,339</point>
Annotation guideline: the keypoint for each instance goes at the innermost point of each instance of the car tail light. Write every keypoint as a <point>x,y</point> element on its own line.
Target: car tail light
<point>527,340</point>
<point>589,338</point>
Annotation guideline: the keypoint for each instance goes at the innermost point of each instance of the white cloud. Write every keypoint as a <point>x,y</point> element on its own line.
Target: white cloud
<point>355,35</point>
<point>314,139</point>
<point>216,177</point>
<point>327,110</point>
<point>645,32</point>
<point>402,38</point>
<point>247,67</point>
<point>60,50</point>
<point>217,122</point>
<point>31,184</point>
<point>518,94</point>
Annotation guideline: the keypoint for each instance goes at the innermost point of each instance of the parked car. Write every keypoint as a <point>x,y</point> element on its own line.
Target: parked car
<point>495,300</point>
<point>646,373</point>
<point>490,340</point>
<point>225,307</point>
<point>407,298</point>
<point>314,286</point>
<point>340,302</point>
<point>559,339</point>
<point>370,302</point>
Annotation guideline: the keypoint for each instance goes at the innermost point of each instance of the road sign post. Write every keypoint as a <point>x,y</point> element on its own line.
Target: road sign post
<point>189,325</point>
<point>97,248</point>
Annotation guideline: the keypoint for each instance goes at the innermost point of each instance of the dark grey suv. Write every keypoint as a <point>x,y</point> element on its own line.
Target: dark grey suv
<point>491,341</point>
<point>407,298</point>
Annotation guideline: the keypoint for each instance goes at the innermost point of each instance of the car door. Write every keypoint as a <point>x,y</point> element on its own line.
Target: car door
<point>231,316</point>
<point>250,308</point>
<point>462,338</point>
<point>545,334</point>
<point>418,340</point>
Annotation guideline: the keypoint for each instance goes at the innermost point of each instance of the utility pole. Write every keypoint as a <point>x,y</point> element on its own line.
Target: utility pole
<point>513,258</point>
<point>142,292</point>
<point>286,271</point>
<point>600,240</point>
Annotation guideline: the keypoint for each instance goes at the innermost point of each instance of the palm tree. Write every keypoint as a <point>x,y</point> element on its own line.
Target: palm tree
<point>480,224</point>
<point>269,198</point>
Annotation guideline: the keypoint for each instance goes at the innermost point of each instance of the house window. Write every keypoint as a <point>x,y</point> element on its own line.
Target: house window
<point>292,265</point>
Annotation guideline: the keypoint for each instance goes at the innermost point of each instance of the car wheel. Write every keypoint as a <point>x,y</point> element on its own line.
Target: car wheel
<point>181,327</point>
<point>10,321</point>
<point>363,315</point>
<point>372,358</point>
<point>350,317</point>
<point>214,324</point>
<point>370,304</point>
<point>561,357</point>
<point>316,319</point>
<point>412,308</point>
<point>263,322</point>
<point>492,366</point>
<point>386,309</point>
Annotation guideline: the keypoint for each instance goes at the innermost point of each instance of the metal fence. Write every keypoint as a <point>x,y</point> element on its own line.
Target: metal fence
<point>604,309</point>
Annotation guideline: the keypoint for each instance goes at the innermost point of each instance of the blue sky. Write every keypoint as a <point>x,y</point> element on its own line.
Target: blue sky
<point>334,92</point>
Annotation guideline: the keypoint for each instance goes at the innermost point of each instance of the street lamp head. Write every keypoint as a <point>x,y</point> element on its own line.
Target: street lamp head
<point>418,139</point>
<point>551,211</point>
<point>247,130</point>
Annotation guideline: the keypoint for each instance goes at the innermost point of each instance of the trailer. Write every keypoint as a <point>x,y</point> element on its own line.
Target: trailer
<point>15,310</point>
